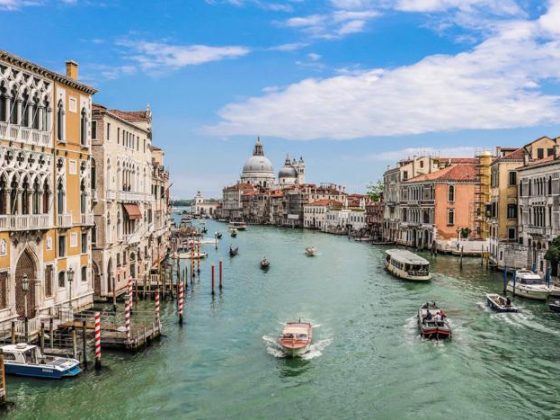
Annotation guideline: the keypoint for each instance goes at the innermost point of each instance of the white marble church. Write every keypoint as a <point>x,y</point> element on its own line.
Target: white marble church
<point>258,170</point>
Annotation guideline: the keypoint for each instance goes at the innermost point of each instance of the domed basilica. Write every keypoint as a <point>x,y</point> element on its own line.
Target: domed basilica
<point>258,170</point>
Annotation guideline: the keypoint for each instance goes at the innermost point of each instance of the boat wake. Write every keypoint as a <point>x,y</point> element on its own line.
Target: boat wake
<point>315,350</point>
<point>526,320</point>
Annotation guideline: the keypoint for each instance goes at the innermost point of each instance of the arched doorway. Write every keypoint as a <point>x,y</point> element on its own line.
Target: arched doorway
<point>132,265</point>
<point>26,265</point>
<point>96,280</point>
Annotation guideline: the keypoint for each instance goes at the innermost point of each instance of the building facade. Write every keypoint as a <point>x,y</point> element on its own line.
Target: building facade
<point>45,191</point>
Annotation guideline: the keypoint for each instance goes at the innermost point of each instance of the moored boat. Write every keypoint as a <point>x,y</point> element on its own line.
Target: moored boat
<point>529,285</point>
<point>500,303</point>
<point>296,338</point>
<point>238,225</point>
<point>407,265</point>
<point>432,322</point>
<point>27,360</point>
<point>194,255</point>
<point>554,306</point>
<point>310,251</point>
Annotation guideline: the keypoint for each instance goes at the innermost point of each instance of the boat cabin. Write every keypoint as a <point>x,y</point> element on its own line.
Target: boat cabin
<point>407,265</point>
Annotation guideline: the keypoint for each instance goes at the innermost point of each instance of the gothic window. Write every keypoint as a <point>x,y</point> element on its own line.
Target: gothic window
<point>35,114</point>
<point>83,128</point>
<point>25,110</point>
<point>60,121</point>
<point>14,106</point>
<point>3,290</point>
<point>3,104</point>
<point>451,216</point>
<point>61,278</point>
<point>451,193</point>
<point>60,198</point>
<point>48,280</point>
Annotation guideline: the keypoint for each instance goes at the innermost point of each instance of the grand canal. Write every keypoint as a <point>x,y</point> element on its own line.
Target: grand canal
<point>368,361</point>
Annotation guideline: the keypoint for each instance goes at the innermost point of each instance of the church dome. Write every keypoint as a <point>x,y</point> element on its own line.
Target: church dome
<point>287,172</point>
<point>258,164</point>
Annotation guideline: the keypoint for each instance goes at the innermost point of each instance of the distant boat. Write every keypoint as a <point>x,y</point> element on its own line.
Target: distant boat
<point>233,251</point>
<point>432,322</point>
<point>194,255</point>
<point>27,360</point>
<point>265,264</point>
<point>296,338</point>
<point>529,285</point>
<point>238,225</point>
<point>218,235</point>
<point>500,303</point>
<point>234,233</point>
<point>310,251</point>
<point>407,265</point>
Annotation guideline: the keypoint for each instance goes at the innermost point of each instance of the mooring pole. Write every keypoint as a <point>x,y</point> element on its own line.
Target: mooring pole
<point>213,280</point>
<point>221,273</point>
<point>84,342</point>
<point>97,340</point>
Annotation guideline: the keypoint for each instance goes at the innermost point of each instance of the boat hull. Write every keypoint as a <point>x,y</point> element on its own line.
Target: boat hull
<point>497,307</point>
<point>37,371</point>
<point>432,329</point>
<point>521,291</point>
<point>554,307</point>
<point>294,352</point>
<point>401,274</point>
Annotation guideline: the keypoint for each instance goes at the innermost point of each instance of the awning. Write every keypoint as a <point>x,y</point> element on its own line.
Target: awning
<point>133,211</point>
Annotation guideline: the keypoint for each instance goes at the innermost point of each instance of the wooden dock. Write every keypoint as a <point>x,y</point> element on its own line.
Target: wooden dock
<point>140,337</point>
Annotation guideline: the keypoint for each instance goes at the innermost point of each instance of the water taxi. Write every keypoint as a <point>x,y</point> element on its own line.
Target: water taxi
<point>406,265</point>
<point>238,225</point>
<point>529,285</point>
<point>500,303</point>
<point>310,251</point>
<point>432,322</point>
<point>27,360</point>
<point>296,338</point>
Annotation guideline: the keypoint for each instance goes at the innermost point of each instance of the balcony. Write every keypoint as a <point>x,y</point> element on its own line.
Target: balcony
<point>130,196</point>
<point>64,220</point>
<point>87,219</point>
<point>111,195</point>
<point>94,195</point>
<point>25,222</point>
<point>24,135</point>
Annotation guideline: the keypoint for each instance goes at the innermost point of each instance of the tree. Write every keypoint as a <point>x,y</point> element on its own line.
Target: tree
<point>375,191</point>
<point>553,255</point>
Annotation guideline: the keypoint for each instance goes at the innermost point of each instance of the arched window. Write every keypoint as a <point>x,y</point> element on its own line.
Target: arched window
<point>14,106</point>
<point>46,116</point>
<point>3,195</point>
<point>60,198</point>
<point>451,193</point>
<point>82,198</point>
<point>61,278</point>
<point>93,175</point>
<point>83,128</point>
<point>84,273</point>
<point>35,114</point>
<point>60,121</point>
<point>46,197</point>
<point>25,111</point>
<point>549,186</point>
<point>3,104</point>
<point>35,199</point>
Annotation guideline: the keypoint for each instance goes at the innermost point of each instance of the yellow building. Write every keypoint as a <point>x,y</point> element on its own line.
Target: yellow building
<point>45,208</point>
<point>506,247</point>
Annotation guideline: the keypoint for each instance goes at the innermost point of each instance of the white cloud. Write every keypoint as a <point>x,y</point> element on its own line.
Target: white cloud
<point>313,56</point>
<point>18,4</point>
<point>158,57</point>
<point>495,85</point>
<point>294,46</point>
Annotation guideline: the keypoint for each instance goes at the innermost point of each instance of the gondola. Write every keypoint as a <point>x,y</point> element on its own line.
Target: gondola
<point>233,251</point>
<point>554,306</point>
<point>265,264</point>
<point>218,235</point>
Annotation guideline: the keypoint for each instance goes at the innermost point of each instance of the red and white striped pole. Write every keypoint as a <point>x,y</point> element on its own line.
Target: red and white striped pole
<point>97,340</point>
<point>127,319</point>
<point>157,309</point>
<point>181,302</point>
<point>130,292</point>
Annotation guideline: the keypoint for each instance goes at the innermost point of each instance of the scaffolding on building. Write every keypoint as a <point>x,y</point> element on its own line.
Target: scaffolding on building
<point>481,194</point>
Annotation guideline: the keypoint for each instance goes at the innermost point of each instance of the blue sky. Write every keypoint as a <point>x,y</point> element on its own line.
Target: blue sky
<point>352,85</point>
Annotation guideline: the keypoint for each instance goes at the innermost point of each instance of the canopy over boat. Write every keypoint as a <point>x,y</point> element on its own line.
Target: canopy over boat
<point>406,257</point>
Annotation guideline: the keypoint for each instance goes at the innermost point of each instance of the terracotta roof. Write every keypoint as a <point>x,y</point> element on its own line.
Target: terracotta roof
<point>462,172</point>
<point>459,160</point>
<point>132,116</point>
<point>544,161</point>
<point>325,202</point>
<point>516,155</point>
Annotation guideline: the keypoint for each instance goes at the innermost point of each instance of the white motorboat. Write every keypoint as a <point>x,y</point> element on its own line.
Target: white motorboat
<point>310,251</point>
<point>407,265</point>
<point>530,285</point>
<point>237,225</point>
<point>27,360</point>
<point>500,303</point>
<point>296,338</point>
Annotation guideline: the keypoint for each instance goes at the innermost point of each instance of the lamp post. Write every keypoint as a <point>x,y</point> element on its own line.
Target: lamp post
<point>25,288</point>
<point>70,274</point>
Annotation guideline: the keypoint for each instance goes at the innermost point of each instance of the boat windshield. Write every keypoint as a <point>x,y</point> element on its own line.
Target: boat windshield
<point>30,356</point>
<point>530,281</point>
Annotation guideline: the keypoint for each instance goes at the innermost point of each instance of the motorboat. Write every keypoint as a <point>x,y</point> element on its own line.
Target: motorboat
<point>27,360</point>
<point>233,232</point>
<point>182,252</point>
<point>265,264</point>
<point>296,338</point>
<point>432,322</point>
<point>500,303</point>
<point>194,255</point>
<point>233,251</point>
<point>554,306</point>
<point>310,251</point>
<point>407,265</point>
<point>238,225</point>
<point>529,284</point>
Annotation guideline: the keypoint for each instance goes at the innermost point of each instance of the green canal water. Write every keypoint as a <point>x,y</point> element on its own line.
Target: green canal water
<point>367,360</point>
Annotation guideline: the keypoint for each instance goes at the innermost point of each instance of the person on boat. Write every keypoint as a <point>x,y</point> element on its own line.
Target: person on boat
<point>437,316</point>
<point>508,301</point>
<point>428,315</point>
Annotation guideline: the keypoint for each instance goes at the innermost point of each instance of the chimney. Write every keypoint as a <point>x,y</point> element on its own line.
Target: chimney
<point>72,69</point>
